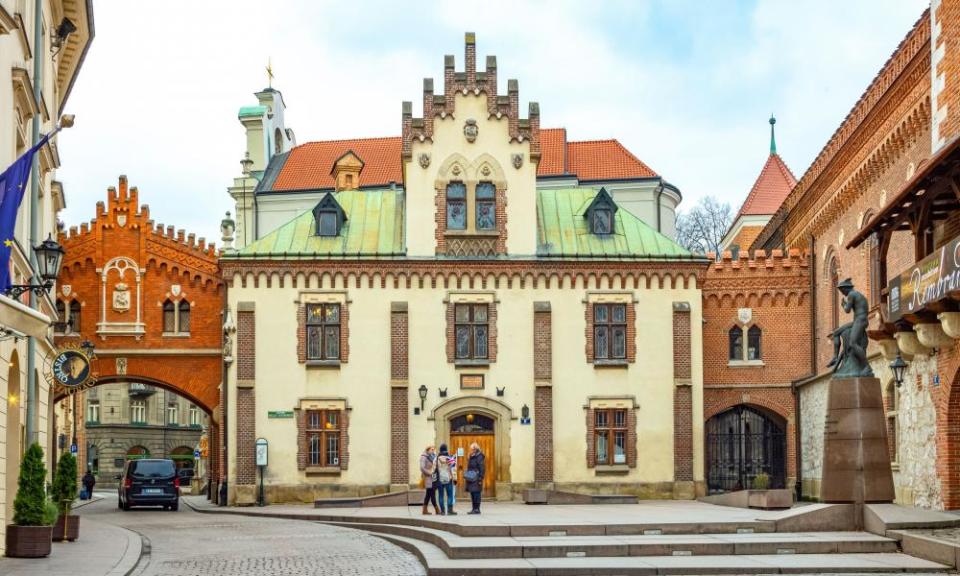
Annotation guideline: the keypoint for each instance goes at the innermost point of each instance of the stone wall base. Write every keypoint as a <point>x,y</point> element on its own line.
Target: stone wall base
<point>245,495</point>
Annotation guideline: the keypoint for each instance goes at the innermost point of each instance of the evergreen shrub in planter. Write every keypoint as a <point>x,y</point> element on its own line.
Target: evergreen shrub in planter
<point>63,493</point>
<point>30,534</point>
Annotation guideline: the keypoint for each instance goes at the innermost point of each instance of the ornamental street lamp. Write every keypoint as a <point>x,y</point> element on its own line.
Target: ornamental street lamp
<point>49,256</point>
<point>899,367</point>
<point>423,395</point>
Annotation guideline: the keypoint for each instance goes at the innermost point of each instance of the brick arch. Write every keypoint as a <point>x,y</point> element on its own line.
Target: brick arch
<point>759,403</point>
<point>206,397</point>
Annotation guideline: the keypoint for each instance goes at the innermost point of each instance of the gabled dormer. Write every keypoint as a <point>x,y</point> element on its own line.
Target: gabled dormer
<point>600,214</point>
<point>346,171</point>
<point>328,216</point>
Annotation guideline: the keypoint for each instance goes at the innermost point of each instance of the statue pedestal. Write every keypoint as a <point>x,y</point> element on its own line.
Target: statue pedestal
<point>856,457</point>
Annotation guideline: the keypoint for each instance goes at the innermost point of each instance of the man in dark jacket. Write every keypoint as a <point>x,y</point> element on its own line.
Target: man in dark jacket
<point>89,481</point>
<point>476,470</point>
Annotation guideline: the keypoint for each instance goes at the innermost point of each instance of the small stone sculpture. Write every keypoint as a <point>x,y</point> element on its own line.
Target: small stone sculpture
<point>850,340</point>
<point>470,130</point>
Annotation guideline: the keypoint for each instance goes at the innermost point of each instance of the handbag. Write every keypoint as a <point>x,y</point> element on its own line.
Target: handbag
<point>471,475</point>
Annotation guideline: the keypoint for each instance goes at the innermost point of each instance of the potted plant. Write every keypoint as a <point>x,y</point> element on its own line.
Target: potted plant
<point>63,493</point>
<point>33,515</point>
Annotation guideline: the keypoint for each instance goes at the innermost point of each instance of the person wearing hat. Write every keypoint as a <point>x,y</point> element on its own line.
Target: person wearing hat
<point>853,335</point>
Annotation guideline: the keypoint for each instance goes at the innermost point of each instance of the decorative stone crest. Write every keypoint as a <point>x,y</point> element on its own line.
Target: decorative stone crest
<point>517,160</point>
<point>470,130</point>
<point>121,297</point>
<point>175,290</point>
<point>122,220</point>
<point>745,315</point>
<point>456,170</point>
<point>66,289</point>
<point>485,170</point>
<point>121,366</point>
<point>424,159</point>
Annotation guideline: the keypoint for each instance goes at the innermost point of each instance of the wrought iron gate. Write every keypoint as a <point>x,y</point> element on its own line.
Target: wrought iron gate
<point>741,443</point>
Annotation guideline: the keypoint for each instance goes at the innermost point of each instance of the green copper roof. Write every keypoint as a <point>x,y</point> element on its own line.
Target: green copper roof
<point>562,230</point>
<point>374,226</point>
<point>252,111</point>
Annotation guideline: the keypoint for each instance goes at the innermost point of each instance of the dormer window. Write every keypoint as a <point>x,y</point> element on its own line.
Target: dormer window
<point>600,214</point>
<point>329,216</point>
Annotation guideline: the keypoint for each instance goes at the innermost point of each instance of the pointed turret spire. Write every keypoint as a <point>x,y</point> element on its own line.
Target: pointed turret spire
<point>773,139</point>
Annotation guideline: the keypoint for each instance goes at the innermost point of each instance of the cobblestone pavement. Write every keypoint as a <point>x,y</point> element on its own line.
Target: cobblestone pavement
<point>187,543</point>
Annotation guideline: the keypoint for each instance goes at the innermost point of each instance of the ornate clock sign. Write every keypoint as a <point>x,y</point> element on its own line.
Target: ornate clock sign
<point>71,370</point>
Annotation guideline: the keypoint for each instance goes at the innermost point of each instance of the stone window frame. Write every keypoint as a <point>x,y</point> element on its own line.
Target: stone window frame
<point>305,405</point>
<point>471,297</point>
<point>611,297</point>
<point>135,408</point>
<point>745,360</point>
<point>172,409</point>
<point>457,169</point>
<point>597,403</point>
<point>323,297</point>
<point>93,409</point>
<point>66,309</point>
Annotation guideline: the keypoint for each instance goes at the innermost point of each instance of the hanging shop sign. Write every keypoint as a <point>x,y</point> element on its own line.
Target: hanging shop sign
<point>926,282</point>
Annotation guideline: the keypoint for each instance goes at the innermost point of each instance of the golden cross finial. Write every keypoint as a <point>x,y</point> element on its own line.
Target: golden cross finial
<point>269,74</point>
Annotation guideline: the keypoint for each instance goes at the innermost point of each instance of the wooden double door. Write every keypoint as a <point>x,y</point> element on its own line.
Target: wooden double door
<point>487,442</point>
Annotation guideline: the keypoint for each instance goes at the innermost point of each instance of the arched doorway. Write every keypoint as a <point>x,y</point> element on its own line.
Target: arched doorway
<point>14,446</point>
<point>486,421</point>
<point>466,429</point>
<point>182,456</point>
<point>743,442</point>
<point>137,453</point>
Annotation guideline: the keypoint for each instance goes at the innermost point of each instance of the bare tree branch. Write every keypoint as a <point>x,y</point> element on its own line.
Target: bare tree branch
<point>701,229</point>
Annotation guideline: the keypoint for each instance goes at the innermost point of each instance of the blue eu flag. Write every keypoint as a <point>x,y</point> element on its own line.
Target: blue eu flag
<point>13,183</point>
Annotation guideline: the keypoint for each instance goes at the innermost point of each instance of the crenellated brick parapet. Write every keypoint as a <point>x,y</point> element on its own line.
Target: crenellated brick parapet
<point>757,277</point>
<point>151,243</point>
<point>475,82</point>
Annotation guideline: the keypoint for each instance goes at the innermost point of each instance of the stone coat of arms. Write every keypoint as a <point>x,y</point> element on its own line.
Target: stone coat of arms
<point>121,297</point>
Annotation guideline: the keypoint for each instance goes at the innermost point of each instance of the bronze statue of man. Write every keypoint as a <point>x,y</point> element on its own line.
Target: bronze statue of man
<point>851,360</point>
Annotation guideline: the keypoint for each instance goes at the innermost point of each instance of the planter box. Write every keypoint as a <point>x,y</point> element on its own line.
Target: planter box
<point>768,499</point>
<point>72,528</point>
<point>28,541</point>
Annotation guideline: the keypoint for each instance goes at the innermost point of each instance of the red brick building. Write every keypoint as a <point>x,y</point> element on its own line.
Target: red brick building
<point>149,297</point>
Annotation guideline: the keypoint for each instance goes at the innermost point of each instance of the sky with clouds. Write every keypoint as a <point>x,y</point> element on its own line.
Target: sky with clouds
<point>686,85</point>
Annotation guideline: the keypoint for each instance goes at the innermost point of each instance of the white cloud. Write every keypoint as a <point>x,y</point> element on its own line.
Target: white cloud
<point>686,86</point>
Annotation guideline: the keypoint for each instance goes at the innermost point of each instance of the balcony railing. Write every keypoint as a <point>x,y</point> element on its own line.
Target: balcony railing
<point>137,389</point>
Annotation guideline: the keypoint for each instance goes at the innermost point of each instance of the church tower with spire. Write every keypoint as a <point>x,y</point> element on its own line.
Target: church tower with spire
<point>769,191</point>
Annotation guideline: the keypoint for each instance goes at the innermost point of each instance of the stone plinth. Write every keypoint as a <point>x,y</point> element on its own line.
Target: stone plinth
<point>856,457</point>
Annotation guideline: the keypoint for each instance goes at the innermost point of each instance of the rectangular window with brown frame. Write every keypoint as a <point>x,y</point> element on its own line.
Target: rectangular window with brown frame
<point>610,435</point>
<point>609,332</point>
<point>323,438</point>
<point>323,331</point>
<point>471,331</point>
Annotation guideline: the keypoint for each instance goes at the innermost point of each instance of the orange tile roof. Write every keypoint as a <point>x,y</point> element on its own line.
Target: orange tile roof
<point>308,166</point>
<point>770,190</point>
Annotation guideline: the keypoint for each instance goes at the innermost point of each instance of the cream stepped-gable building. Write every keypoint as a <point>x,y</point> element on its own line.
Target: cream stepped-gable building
<point>465,302</point>
<point>65,30</point>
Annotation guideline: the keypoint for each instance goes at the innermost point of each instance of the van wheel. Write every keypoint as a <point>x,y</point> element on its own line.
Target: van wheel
<point>175,506</point>
<point>119,503</point>
<point>126,506</point>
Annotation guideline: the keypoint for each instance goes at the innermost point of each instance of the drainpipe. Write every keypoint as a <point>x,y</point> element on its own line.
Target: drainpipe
<point>657,203</point>
<point>38,52</point>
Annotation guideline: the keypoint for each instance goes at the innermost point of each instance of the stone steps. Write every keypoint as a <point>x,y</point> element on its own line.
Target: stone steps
<point>437,563</point>
<point>467,548</point>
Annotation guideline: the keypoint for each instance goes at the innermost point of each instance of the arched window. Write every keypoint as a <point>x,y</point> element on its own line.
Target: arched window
<point>169,317</point>
<point>183,320</point>
<point>74,322</point>
<point>456,206</point>
<point>60,327</point>
<point>277,141</point>
<point>736,343</point>
<point>486,194</point>
<point>753,342</point>
<point>137,452</point>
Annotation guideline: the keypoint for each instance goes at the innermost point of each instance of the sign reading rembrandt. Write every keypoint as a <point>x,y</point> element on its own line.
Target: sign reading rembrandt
<point>929,280</point>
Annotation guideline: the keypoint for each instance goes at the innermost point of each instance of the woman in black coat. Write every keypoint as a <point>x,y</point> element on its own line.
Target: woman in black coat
<point>476,470</point>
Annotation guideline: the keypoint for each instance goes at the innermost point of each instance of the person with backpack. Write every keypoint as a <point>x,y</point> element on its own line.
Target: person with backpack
<point>428,474</point>
<point>89,481</point>
<point>476,469</point>
<point>447,477</point>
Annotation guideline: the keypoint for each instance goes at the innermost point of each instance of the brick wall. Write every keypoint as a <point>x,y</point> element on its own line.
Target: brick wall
<point>682,395</point>
<point>543,393</point>
<point>246,436</point>
<point>399,401</point>
<point>246,346</point>
<point>946,32</point>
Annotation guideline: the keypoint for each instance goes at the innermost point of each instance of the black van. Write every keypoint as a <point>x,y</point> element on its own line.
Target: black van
<point>149,482</point>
